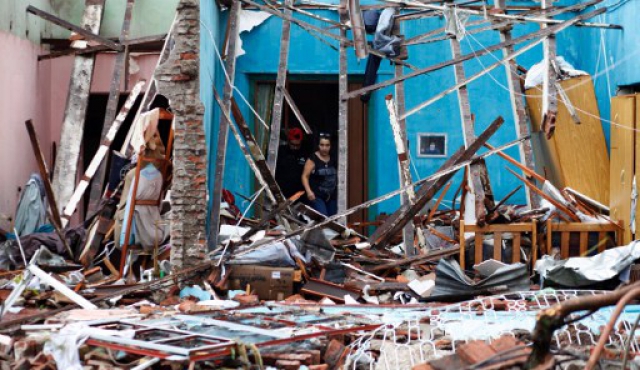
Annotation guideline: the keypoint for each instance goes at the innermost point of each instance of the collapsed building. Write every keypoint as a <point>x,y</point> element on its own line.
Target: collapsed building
<point>319,184</point>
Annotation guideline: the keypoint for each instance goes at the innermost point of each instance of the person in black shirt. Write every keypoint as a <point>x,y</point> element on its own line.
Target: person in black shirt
<point>291,160</point>
<point>320,178</point>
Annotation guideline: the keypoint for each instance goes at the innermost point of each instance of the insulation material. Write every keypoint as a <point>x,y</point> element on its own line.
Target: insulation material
<point>248,21</point>
<point>536,73</point>
<point>583,271</point>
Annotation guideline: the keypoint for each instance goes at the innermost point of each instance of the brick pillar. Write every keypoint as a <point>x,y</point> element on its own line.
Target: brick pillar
<point>178,81</point>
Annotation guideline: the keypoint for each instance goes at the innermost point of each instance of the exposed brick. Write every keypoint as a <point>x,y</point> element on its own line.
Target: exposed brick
<point>178,81</point>
<point>475,351</point>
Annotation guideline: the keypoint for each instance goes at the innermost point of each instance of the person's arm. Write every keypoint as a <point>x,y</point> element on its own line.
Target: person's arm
<point>308,168</point>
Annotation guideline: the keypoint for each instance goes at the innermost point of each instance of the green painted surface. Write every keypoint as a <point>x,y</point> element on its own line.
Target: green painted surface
<point>150,17</point>
<point>14,19</point>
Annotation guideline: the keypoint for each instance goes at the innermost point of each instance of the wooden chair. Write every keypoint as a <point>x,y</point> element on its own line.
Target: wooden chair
<point>583,229</point>
<point>517,229</point>
<point>163,167</point>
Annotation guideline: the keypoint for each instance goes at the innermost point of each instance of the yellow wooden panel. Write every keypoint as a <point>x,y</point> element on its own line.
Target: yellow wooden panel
<point>623,110</point>
<point>636,137</point>
<point>576,154</point>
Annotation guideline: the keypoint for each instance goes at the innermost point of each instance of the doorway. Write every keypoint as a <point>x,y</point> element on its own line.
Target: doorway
<point>317,101</point>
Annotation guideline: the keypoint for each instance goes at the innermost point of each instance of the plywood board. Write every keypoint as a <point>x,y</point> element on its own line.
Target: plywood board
<point>623,114</point>
<point>576,155</point>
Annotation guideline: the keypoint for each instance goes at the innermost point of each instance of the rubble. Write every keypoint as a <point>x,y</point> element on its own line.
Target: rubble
<point>137,282</point>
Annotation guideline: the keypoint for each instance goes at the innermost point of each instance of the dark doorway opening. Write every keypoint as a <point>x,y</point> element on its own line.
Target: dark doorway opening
<point>94,121</point>
<point>317,101</point>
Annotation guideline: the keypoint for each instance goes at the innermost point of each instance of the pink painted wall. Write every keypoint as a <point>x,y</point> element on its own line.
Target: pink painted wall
<point>24,93</point>
<point>38,90</point>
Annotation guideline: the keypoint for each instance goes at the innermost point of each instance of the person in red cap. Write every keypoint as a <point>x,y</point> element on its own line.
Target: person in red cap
<point>291,160</point>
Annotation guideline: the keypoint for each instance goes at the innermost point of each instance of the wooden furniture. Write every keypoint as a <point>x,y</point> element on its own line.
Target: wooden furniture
<point>576,155</point>
<point>625,152</point>
<point>583,229</point>
<point>163,167</point>
<point>516,229</point>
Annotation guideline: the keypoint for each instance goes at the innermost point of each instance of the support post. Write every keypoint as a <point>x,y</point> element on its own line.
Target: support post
<point>409,232</point>
<point>112,106</point>
<point>520,115</point>
<point>223,131</point>
<point>479,176</point>
<point>343,117</point>
<point>278,98</point>
<point>64,178</point>
<point>549,91</point>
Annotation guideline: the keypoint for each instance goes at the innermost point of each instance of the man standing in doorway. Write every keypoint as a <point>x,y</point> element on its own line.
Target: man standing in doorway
<point>291,160</point>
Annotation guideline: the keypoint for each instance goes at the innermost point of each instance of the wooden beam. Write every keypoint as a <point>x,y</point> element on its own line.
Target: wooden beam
<point>223,130</point>
<point>88,35</point>
<point>557,204</point>
<point>343,119</point>
<point>101,154</point>
<point>146,43</point>
<point>68,157</point>
<point>465,82</point>
<point>483,13</point>
<point>112,106</point>
<point>477,53</point>
<point>281,82</point>
<point>296,112</point>
<point>520,114</point>
<point>427,191</point>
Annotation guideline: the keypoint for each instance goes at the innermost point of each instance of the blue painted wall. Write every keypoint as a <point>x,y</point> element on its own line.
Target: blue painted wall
<point>489,94</point>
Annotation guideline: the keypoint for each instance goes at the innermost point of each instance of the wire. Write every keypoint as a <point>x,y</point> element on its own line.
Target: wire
<point>228,79</point>
<point>573,87</point>
<point>628,344</point>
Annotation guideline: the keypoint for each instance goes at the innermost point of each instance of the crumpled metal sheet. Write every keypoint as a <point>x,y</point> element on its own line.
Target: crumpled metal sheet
<point>582,271</point>
<point>451,280</point>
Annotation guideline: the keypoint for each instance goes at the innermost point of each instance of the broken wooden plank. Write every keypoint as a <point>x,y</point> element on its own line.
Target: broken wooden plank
<point>280,207</point>
<point>296,112</point>
<point>87,34</point>
<point>281,81</point>
<point>409,197</point>
<point>68,156</point>
<point>520,114</point>
<point>357,28</point>
<point>343,119</point>
<point>112,106</point>
<point>446,170</point>
<point>430,256</point>
<point>223,130</point>
<point>556,204</point>
<point>268,179</point>
<point>101,154</point>
<point>44,173</point>
<point>475,54</point>
<point>404,214</point>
